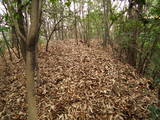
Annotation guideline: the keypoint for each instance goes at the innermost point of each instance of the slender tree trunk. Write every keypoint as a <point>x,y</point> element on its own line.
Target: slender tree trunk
<point>9,47</point>
<point>15,42</point>
<point>62,21</point>
<point>87,37</point>
<point>148,57</point>
<point>13,37</point>
<point>75,23</point>
<point>139,67</point>
<point>106,10</point>
<point>7,44</point>
<point>158,95</point>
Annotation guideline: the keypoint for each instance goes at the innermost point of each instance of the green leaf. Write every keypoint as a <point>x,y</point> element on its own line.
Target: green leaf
<point>16,16</point>
<point>6,17</point>
<point>154,112</point>
<point>157,80</point>
<point>68,3</point>
<point>158,45</point>
<point>53,1</point>
<point>4,28</point>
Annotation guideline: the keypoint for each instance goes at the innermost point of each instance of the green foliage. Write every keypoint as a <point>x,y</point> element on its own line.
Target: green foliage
<point>142,2</point>
<point>157,80</point>
<point>1,51</point>
<point>95,19</point>
<point>53,1</point>
<point>42,40</point>
<point>146,35</point>
<point>158,45</point>
<point>5,17</point>
<point>114,18</point>
<point>155,10</point>
<point>4,28</point>
<point>68,3</point>
<point>124,31</point>
<point>16,15</point>
<point>156,83</point>
<point>154,112</point>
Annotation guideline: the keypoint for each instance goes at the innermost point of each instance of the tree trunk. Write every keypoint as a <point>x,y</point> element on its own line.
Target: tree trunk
<point>28,36</point>
<point>87,37</point>
<point>148,57</point>
<point>15,41</point>
<point>132,52</point>
<point>32,40</point>
<point>106,10</point>
<point>75,23</point>
<point>30,64</point>
<point>62,21</point>
<point>158,96</point>
<point>7,44</point>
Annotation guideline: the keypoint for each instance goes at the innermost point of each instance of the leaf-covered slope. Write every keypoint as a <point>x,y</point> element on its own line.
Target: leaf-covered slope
<point>78,83</point>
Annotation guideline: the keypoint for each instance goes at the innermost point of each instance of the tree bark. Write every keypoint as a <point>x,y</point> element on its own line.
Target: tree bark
<point>75,23</point>
<point>106,10</point>
<point>132,52</point>
<point>31,99</point>
<point>7,44</point>
<point>28,38</point>
<point>32,40</point>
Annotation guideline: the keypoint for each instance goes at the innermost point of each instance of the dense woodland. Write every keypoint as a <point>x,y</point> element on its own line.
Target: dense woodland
<point>79,60</point>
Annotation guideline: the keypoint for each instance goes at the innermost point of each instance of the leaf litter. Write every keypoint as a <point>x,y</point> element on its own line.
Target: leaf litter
<point>76,82</point>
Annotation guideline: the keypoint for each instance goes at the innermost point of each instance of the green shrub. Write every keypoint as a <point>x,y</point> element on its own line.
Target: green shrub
<point>154,112</point>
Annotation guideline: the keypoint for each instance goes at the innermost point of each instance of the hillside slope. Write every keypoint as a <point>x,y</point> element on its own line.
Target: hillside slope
<point>77,83</point>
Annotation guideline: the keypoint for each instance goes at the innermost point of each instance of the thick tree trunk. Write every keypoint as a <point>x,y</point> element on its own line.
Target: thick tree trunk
<point>32,40</point>
<point>30,68</point>
<point>132,52</point>
<point>28,36</point>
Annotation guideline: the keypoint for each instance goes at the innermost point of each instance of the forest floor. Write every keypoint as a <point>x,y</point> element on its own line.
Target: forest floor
<point>77,83</point>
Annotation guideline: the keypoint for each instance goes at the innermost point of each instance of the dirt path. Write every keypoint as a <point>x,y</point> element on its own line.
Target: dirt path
<point>80,83</point>
<point>88,84</point>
